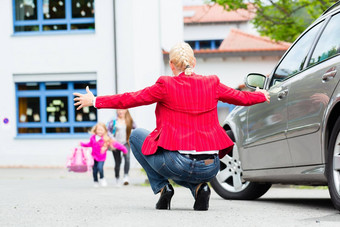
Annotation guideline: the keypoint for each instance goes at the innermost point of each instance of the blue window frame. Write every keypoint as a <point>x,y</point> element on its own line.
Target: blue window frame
<point>46,109</point>
<point>53,16</point>
<point>205,44</point>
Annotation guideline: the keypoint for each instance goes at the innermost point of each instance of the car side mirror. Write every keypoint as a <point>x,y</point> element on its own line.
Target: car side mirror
<point>254,80</point>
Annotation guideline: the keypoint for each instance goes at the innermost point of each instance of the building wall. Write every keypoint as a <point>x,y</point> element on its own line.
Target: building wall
<point>140,40</point>
<point>194,32</point>
<point>149,27</point>
<point>48,55</point>
<point>193,2</point>
<point>172,27</point>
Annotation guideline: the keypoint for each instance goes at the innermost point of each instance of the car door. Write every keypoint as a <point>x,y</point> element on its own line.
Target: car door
<point>309,94</point>
<point>266,145</point>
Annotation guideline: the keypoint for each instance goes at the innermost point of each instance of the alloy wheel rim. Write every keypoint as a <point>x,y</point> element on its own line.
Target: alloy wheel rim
<point>336,165</point>
<point>230,174</point>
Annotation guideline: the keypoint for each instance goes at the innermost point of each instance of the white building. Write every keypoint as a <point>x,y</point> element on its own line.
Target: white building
<point>52,48</point>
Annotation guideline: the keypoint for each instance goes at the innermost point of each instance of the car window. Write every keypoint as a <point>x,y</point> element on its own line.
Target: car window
<point>294,60</point>
<point>329,42</point>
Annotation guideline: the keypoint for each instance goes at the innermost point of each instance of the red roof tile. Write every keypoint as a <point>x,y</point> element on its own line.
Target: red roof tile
<point>239,41</point>
<point>214,13</point>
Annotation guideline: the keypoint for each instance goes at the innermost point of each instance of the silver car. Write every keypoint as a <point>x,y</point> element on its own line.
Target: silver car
<point>295,139</point>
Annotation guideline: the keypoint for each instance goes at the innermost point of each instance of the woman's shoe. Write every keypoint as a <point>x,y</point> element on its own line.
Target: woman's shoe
<point>164,200</point>
<point>202,197</point>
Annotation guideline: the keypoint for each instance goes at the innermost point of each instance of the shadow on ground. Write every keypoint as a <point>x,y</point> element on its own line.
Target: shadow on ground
<point>317,203</point>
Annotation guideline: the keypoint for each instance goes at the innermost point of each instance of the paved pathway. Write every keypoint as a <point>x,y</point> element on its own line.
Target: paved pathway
<point>55,197</point>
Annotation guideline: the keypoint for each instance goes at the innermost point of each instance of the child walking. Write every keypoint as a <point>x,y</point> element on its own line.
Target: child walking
<point>100,142</point>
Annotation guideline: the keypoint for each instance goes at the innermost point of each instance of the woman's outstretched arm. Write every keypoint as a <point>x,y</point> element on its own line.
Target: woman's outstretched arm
<point>146,96</point>
<point>242,98</point>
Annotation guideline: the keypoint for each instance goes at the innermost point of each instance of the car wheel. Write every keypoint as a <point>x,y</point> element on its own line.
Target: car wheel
<point>229,184</point>
<point>333,165</point>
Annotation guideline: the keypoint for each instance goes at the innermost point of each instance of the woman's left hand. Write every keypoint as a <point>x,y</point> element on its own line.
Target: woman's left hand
<point>266,93</point>
<point>83,100</point>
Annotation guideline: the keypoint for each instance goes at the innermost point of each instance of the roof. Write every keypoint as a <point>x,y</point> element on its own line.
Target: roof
<point>214,14</point>
<point>239,41</point>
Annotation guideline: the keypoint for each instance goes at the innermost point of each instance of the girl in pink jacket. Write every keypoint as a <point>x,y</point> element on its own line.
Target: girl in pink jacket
<point>100,142</point>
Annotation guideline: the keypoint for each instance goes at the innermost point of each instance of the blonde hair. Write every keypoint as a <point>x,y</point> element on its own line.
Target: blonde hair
<point>106,138</point>
<point>182,57</point>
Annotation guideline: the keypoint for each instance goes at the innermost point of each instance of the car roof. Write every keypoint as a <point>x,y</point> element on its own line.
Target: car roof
<point>335,6</point>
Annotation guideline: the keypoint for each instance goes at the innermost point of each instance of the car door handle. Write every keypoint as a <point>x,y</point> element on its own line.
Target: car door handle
<point>330,74</point>
<point>282,94</point>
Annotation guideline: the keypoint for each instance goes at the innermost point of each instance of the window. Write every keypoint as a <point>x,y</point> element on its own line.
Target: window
<point>295,59</point>
<point>329,42</point>
<point>205,44</point>
<point>37,16</point>
<point>47,109</point>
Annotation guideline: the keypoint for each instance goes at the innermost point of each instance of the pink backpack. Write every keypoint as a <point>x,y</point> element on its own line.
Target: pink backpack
<point>78,162</point>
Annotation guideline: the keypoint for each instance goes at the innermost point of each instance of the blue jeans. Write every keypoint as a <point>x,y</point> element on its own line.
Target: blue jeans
<point>164,165</point>
<point>98,167</point>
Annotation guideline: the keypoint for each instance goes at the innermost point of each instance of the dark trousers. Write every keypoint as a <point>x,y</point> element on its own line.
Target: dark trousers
<point>117,155</point>
<point>98,167</point>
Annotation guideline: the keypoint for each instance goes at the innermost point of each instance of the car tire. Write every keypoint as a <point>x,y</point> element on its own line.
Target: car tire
<point>333,165</point>
<point>229,184</point>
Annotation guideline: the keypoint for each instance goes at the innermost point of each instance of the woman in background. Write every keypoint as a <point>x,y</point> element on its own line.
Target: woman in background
<point>120,129</point>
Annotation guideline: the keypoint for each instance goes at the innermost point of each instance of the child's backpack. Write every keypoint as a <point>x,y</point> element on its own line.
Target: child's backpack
<point>78,162</point>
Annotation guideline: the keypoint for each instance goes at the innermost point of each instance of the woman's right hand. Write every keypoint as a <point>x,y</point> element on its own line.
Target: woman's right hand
<point>83,100</point>
<point>266,93</point>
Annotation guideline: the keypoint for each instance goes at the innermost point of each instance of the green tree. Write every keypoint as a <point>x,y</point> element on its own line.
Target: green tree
<point>282,20</point>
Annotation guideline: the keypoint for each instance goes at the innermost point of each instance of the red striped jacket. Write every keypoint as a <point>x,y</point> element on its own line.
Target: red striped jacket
<point>186,112</point>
